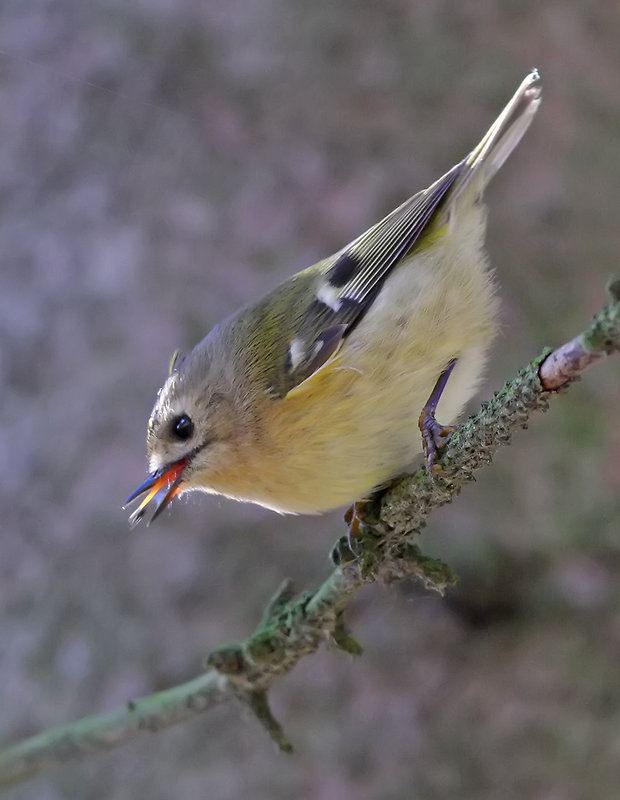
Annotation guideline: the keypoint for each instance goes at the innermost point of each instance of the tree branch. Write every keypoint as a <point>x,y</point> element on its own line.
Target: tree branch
<point>293,627</point>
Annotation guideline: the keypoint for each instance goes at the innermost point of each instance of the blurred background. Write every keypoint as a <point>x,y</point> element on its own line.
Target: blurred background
<point>165,161</point>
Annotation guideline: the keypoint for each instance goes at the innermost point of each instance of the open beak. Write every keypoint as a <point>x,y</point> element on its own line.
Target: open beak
<point>162,487</point>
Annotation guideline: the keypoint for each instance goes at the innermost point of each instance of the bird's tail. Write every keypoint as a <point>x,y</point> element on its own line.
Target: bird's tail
<point>499,141</point>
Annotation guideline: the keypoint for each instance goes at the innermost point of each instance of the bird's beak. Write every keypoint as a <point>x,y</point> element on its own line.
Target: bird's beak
<point>162,486</point>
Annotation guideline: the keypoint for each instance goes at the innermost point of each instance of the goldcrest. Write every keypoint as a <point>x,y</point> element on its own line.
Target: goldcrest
<point>308,399</point>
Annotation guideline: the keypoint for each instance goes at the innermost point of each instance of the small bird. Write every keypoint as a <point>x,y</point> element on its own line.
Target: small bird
<point>307,399</point>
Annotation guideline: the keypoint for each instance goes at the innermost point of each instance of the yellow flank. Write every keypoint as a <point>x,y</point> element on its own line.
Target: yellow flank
<point>431,236</point>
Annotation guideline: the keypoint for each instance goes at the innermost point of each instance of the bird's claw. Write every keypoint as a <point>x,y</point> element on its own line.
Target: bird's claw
<point>354,518</point>
<point>435,437</point>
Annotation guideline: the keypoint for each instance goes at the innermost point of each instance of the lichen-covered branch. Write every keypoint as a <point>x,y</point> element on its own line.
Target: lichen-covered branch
<point>295,626</point>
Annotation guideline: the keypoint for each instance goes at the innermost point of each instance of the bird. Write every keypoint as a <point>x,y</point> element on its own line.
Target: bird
<point>307,399</point>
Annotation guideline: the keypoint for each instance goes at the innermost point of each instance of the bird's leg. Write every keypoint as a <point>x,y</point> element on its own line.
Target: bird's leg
<point>435,436</point>
<point>353,517</point>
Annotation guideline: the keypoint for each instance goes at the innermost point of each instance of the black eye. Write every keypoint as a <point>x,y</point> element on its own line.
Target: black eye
<point>182,427</point>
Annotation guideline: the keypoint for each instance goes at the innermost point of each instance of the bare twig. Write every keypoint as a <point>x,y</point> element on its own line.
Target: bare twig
<point>565,363</point>
<point>293,627</point>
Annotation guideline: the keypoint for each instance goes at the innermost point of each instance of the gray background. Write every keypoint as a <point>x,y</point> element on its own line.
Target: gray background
<point>163,162</point>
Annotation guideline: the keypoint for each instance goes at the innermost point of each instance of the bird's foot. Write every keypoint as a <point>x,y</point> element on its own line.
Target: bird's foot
<point>354,518</point>
<point>435,437</point>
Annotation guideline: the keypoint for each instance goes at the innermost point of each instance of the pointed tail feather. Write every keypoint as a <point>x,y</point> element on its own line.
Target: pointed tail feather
<point>500,140</point>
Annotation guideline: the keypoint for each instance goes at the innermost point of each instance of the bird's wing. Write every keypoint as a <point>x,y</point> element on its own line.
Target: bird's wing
<point>347,288</point>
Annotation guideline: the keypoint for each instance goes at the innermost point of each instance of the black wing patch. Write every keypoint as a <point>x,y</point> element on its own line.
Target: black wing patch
<point>343,270</point>
<point>351,283</point>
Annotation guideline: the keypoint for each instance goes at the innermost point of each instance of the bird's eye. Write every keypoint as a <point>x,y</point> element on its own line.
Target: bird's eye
<point>182,427</point>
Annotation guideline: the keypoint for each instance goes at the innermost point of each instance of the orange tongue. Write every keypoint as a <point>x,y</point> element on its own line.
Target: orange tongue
<point>164,485</point>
